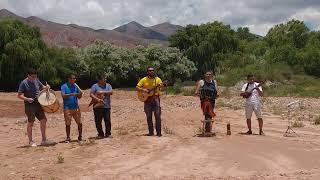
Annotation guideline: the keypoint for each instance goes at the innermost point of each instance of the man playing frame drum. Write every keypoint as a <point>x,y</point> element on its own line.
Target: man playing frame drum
<point>28,91</point>
<point>71,92</point>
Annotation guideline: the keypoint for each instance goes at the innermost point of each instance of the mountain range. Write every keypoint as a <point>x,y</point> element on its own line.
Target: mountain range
<point>72,35</point>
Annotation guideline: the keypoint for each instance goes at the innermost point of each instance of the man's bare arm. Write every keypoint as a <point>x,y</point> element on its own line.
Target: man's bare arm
<point>93,96</point>
<point>110,92</point>
<point>197,88</point>
<point>259,91</point>
<point>141,89</point>
<point>68,95</point>
<point>22,97</point>
<point>79,95</point>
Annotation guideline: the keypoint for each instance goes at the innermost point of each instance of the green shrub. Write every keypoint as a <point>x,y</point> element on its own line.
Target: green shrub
<point>300,85</point>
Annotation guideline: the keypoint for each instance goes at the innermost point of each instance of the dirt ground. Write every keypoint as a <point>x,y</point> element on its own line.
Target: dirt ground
<point>176,155</point>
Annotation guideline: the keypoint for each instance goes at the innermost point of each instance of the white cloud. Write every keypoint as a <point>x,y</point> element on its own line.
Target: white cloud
<point>309,15</point>
<point>6,4</point>
<point>95,7</point>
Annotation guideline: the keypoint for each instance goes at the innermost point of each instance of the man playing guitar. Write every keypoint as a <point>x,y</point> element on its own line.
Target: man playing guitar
<point>152,104</point>
<point>252,91</point>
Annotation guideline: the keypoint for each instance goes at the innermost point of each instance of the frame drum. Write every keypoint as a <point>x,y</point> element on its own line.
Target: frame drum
<point>49,101</point>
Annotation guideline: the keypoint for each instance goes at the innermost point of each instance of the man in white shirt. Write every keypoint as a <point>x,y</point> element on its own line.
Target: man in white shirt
<point>253,93</point>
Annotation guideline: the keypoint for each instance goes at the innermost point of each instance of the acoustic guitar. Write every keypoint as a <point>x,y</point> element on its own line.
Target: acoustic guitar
<point>143,96</point>
<point>247,94</point>
<point>95,103</point>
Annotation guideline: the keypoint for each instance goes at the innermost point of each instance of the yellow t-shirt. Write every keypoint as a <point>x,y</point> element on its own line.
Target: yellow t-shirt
<point>149,83</point>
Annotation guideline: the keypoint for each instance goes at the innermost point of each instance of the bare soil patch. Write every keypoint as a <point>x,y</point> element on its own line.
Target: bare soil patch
<point>176,155</point>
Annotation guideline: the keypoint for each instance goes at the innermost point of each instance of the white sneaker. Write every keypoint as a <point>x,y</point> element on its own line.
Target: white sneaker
<point>47,143</point>
<point>32,144</point>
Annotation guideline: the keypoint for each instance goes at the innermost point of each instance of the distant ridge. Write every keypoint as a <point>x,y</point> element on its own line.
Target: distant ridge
<point>72,35</point>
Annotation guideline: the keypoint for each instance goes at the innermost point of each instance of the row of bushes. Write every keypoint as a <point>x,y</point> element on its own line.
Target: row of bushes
<point>289,56</point>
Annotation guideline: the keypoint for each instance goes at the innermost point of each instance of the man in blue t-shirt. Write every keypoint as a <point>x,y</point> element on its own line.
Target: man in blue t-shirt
<point>71,92</point>
<point>100,93</point>
<point>29,89</point>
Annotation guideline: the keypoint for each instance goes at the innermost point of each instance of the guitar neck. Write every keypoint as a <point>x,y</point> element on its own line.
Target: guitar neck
<point>157,86</point>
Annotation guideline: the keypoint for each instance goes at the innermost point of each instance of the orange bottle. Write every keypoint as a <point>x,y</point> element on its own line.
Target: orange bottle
<point>228,129</point>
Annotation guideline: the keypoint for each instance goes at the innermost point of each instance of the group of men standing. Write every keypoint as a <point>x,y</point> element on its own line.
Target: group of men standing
<point>101,93</point>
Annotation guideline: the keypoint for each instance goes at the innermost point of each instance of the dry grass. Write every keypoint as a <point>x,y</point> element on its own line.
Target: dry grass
<point>277,111</point>
<point>188,91</point>
<point>231,105</point>
<point>60,158</point>
<point>226,93</point>
<point>167,130</point>
<point>122,131</point>
<point>297,124</point>
<point>199,130</point>
<point>90,142</point>
<point>317,120</point>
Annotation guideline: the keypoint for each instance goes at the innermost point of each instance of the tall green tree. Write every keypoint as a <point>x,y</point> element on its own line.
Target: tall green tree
<point>21,47</point>
<point>294,33</point>
<point>205,44</point>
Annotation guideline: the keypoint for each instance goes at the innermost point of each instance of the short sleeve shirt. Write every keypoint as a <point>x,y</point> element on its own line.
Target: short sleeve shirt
<point>255,97</point>
<point>149,83</point>
<point>107,98</point>
<point>70,102</point>
<point>30,89</point>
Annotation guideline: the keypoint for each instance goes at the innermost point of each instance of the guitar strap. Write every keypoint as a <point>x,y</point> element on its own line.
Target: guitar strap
<point>155,86</point>
<point>247,87</point>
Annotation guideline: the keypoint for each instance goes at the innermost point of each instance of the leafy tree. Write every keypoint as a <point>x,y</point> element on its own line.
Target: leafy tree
<point>125,66</point>
<point>21,47</point>
<point>202,43</point>
<point>243,33</point>
<point>294,33</point>
<point>311,55</point>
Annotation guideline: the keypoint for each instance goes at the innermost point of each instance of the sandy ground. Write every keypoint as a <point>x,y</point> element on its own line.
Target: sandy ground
<point>176,155</point>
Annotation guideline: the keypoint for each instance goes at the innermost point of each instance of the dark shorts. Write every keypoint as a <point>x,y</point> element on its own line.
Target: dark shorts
<point>34,111</point>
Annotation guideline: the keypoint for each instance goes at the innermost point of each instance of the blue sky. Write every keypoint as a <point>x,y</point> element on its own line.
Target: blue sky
<point>258,15</point>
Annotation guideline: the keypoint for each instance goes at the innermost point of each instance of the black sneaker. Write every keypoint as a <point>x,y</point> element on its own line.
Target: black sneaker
<point>261,133</point>
<point>100,137</point>
<point>108,136</point>
<point>159,135</point>
<point>68,140</point>
<point>149,134</point>
<point>249,132</point>
<point>79,138</point>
